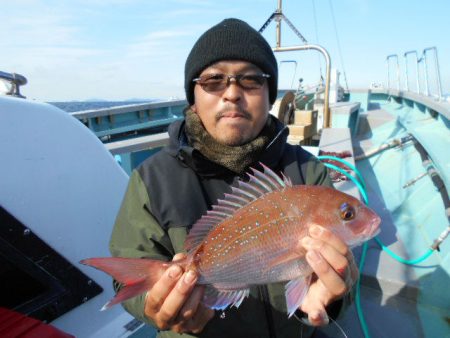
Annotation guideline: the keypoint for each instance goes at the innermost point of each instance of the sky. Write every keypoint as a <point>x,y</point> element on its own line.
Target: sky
<point>136,49</point>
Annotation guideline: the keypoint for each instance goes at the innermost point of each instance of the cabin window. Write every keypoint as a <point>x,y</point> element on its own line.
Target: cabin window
<point>16,285</point>
<point>35,279</point>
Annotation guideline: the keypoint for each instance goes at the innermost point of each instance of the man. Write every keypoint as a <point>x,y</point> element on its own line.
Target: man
<point>230,82</point>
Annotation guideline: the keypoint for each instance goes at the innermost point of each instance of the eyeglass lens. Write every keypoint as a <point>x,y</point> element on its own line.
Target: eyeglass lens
<point>218,82</point>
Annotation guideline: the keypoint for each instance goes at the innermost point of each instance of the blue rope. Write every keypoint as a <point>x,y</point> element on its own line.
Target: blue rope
<point>348,164</point>
<point>362,188</point>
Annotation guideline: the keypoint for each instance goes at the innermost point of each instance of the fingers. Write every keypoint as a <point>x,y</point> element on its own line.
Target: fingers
<point>156,297</point>
<point>331,259</point>
<point>314,304</point>
<point>178,257</point>
<point>169,294</point>
<point>174,301</point>
<point>328,237</point>
<point>178,297</point>
<point>332,281</point>
<point>190,307</point>
<point>318,317</point>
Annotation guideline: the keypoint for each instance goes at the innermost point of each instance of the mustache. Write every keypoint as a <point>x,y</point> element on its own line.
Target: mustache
<point>230,108</point>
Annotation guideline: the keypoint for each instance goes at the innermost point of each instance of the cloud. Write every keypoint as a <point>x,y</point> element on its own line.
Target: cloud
<point>155,43</point>
<point>46,41</point>
<point>33,30</point>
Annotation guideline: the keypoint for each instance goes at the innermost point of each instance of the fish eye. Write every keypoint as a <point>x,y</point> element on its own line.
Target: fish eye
<point>347,212</point>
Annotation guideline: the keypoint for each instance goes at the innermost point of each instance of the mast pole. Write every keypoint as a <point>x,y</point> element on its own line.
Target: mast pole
<point>278,19</point>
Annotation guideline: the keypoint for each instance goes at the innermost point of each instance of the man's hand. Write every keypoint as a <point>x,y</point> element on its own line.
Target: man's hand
<point>174,301</point>
<point>335,272</point>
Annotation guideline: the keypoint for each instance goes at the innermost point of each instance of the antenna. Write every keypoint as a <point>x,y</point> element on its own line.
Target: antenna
<point>279,16</point>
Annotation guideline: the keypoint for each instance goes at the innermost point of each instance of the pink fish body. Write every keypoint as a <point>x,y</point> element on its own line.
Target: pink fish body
<point>249,238</point>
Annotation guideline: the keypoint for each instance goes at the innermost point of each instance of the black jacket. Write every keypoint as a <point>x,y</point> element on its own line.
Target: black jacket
<point>171,190</point>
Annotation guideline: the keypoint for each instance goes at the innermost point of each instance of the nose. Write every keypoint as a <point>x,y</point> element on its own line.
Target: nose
<point>233,91</point>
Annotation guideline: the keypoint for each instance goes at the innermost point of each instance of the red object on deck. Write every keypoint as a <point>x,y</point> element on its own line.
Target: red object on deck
<point>14,325</point>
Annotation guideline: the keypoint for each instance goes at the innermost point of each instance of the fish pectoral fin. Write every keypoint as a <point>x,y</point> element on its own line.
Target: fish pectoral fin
<point>295,292</point>
<point>219,298</point>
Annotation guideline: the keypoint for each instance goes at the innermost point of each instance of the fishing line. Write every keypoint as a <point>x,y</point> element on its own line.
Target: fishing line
<point>363,192</point>
<point>339,327</point>
<point>305,321</point>
<point>338,159</point>
<point>317,38</point>
<point>362,188</point>
<point>338,43</point>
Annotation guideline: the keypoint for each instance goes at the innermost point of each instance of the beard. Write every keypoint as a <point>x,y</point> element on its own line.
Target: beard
<point>234,133</point>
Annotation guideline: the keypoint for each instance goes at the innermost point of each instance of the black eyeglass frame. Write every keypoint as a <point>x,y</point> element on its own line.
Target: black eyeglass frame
<point>225,84</point>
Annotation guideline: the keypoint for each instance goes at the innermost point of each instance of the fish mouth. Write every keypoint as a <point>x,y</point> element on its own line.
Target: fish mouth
<point>374,228</point>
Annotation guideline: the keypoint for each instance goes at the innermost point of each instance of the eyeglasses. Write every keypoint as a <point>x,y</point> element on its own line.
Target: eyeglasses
<point>218,82</point>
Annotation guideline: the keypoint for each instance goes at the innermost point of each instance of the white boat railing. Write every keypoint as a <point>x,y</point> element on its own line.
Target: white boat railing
<point>422,60</point>
<point>438,75</point>
<point>405,55</point>
<point>393,56</point>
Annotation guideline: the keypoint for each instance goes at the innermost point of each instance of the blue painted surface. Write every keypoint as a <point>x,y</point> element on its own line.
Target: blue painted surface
<point>145,331</point>
<point>345,120</point>
<point>134,119</point>
<point>417,211</point>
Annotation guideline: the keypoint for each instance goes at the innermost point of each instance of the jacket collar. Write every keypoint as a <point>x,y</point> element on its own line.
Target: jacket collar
<point>179,147</point>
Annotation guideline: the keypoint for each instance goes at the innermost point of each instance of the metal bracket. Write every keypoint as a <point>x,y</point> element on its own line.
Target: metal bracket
<point>16,80</point>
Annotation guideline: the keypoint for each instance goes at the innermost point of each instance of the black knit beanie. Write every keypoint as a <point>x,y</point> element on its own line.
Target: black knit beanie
<point>231,39</point>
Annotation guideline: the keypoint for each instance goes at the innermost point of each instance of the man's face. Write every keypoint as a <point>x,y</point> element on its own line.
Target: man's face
<point>233,116</point>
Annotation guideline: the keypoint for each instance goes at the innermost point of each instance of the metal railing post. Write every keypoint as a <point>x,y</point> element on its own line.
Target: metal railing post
<point>326,104</point>
<point>438,74</point>
<point>279,16</point>
<point>278,28</point>
<point>398,70</point>
<point>424,57</point>
<point>417,69</point>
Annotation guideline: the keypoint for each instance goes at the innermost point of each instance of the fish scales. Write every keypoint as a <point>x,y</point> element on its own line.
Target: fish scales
<point>251,237</point>
<point>242,246</point>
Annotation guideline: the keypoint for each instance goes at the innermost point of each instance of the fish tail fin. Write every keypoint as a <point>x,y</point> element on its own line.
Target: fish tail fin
<point>127,292</point>
<point>136,275</point>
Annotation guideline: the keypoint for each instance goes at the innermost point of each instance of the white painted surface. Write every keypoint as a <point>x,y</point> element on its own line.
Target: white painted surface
<point>59,180</point>
<point>334,86</point>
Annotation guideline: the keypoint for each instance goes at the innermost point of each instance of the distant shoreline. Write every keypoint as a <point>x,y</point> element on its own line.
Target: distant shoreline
<point>74,106</point>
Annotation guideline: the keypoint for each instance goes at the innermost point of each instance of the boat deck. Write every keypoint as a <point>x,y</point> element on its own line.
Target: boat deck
<point>401,300</point>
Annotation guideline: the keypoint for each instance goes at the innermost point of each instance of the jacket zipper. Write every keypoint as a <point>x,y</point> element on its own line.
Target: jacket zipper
<point>264,292</point>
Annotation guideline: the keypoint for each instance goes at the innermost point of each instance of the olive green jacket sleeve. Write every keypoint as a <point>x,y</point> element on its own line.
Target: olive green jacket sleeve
<point>137,234</point>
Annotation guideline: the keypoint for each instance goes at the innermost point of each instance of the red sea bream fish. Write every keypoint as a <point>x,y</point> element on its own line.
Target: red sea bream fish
<point>248,238</point>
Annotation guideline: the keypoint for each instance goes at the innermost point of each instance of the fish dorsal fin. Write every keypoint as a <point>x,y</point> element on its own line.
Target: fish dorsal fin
<point>259,184</point>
